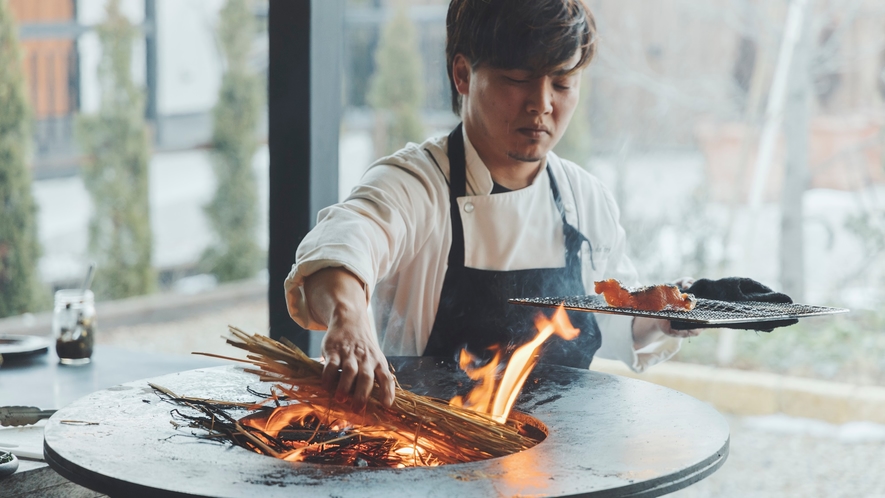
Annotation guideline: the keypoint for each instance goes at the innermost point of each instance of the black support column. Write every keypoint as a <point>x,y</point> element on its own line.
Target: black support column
<point>304,107</point>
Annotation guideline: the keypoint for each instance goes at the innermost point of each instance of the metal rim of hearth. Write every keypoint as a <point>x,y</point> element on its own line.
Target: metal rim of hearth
<point>399,480</point>
<point>661,486</point>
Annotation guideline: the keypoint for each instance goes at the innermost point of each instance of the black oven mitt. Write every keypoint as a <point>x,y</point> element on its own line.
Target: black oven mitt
<point>736,289</point>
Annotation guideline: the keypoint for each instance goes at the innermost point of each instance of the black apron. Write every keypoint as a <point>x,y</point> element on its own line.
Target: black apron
<point>473,312</point>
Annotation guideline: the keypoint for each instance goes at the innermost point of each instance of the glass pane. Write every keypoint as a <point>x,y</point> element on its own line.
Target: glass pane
<point>677,122</point>
<point>734,153</point>
<point>150,159</point>
<point>421,36</point>
<point>730,151</point>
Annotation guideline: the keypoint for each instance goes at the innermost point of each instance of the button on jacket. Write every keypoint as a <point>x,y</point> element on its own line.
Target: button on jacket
<point>394,233</point>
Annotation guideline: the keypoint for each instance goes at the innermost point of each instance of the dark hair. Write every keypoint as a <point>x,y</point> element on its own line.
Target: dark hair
<point>538,35</point>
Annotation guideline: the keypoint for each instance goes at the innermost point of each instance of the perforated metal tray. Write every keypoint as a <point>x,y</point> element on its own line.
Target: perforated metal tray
<point>707,311</point>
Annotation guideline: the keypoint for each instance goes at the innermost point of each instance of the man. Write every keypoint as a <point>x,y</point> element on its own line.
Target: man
<point>439,235</point>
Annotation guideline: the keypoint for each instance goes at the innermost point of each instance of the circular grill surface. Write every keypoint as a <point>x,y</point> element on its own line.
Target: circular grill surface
<point>707,311</point>
<point>609,436</point>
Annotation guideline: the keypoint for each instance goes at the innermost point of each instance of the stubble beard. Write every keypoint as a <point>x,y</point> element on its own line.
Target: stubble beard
<point>532,156</point>
<point>516,156</point>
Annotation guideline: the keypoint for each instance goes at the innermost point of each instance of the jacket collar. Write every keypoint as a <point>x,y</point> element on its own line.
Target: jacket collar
<point>479,180</point>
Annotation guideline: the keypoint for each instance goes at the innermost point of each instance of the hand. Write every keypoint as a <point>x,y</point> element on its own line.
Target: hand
<point>667,327</point>
<point>354,360</point>
<point>647,330</point>
<point>684,283</point>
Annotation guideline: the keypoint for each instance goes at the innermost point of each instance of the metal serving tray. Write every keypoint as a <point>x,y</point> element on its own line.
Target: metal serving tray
<point>706,312</point>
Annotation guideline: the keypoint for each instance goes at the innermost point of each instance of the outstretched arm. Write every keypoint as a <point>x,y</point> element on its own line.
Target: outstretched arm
<point>354,360</point>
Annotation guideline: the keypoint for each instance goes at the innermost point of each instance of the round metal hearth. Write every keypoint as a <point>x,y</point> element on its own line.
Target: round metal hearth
<point>608,436</point>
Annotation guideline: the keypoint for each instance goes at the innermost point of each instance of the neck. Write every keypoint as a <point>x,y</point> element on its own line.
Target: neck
<point>510,173</point>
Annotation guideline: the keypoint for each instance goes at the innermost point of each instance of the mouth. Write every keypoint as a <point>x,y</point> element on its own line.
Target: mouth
<point>535,132</point>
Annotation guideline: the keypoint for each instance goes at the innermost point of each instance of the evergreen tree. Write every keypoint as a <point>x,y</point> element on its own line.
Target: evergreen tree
<point>116,144</point>
<point>397,89</point>
<point>19,249</point>
<point>233,212</point>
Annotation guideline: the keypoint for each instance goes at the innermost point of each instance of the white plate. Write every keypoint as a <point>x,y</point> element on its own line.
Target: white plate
<point>23,442</point>
<point>12,346</point>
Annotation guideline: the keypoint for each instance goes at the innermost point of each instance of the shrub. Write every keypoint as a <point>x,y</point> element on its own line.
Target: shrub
<point>233,212</point>
<point>19,248</point>
<point>116,144</point>
<point>396,89</point>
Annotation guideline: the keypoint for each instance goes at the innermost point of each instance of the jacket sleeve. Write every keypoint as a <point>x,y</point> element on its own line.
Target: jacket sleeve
<point>617,330</point>
<point>384,221</point>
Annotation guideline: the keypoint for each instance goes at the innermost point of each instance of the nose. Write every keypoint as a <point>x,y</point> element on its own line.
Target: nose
<point>540,99</point>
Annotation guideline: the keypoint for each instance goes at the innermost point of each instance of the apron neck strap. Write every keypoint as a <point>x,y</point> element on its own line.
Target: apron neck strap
<point>574,239</point>
<point>557,198</point>
<point>457,188</point>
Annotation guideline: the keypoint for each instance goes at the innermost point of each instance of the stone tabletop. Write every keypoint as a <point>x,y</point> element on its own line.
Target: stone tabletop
<point>608,436</point>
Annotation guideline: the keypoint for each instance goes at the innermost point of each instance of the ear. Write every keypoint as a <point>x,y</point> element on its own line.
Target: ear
<point>461,73</point>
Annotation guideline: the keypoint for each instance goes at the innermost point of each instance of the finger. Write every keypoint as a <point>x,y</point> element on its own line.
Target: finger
<point>330,371</point>
<point>681,334</point>
<point>365,381</point>
<point>387,384</point>
<point>345,382</point>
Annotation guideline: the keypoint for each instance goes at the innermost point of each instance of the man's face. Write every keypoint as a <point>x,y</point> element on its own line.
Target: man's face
<point>513,116</point>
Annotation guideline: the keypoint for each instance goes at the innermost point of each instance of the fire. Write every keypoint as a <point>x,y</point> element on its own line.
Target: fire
<point>494,396</point>
<point>320,431</point>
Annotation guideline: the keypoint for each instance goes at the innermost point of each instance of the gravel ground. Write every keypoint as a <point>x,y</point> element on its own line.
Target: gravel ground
<point>780,456</point>
<point>773,456</point>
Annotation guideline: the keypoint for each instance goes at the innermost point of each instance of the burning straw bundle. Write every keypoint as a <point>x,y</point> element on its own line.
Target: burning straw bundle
<point>439,432</point>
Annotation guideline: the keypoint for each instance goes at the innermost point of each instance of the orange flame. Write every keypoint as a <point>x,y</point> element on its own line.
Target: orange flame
<point>495,396</point>
<point>406,450</point>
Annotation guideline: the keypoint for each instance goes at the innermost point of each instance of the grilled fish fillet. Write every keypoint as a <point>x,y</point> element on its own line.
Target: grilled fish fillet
<point>651,298</point>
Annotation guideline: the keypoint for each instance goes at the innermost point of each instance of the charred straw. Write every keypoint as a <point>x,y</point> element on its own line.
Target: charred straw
<point>456,434</point>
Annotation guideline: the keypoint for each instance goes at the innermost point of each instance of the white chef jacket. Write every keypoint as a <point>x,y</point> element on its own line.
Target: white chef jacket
<point>394,232</point>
